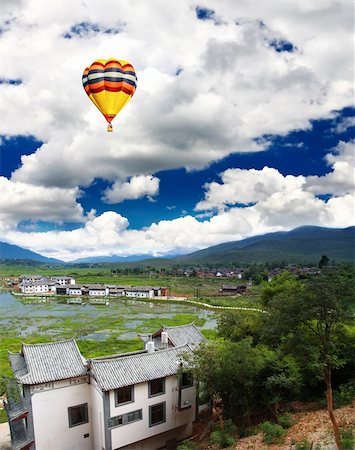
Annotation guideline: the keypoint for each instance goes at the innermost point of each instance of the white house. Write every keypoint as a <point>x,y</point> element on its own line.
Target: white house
<point>74,289</point>
<point>63,281</point>
<point>137,401</point>
<point>37,287</point>
<point>139,292</point>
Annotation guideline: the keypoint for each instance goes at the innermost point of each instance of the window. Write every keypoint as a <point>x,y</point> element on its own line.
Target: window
<point>157,414</point>
<point>78,415</point>
<point>124,395</point>
<point>156,387</point>
<point>125,419</point>
<point>186,380</point>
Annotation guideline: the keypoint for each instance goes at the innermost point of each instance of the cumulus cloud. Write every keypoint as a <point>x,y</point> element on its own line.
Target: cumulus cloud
<point>341,180</point>
<point>138,186</point>
<point>233,85</point>
<point>220,80</point>
<point>245,203</point>
<point>21,201</point>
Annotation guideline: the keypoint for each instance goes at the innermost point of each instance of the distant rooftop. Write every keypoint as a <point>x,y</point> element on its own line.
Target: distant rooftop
<point>180,335</point>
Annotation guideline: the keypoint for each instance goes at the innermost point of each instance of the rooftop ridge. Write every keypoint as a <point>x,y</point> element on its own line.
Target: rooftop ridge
<point>23,344</point>
<point>141,353</point>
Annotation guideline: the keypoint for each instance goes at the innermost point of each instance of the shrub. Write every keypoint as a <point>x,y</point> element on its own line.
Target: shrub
<point>285,420</point>
<point>303,445</point>
<point>347,438</point>
<point>345,394</point>
<point>273,433</point>
<point>222,439</point>
<point>187,445</point>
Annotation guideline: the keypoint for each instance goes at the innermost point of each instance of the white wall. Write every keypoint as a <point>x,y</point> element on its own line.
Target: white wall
<point>136,431</point>
<point>97,416</point>
<point>50,417</point>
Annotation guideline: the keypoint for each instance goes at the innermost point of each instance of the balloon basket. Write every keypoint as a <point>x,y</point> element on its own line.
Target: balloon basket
<point>109,128</point>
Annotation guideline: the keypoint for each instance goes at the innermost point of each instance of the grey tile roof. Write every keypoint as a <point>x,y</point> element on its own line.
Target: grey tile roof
<point>180,335</point>
<point>42,363</point>
<point>120,371</point>
<point>184,334</point>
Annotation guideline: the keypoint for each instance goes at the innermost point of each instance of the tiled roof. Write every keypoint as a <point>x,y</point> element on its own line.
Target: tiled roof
<point>120,371</point>
<point>42,363</point>
<point>185,334</point>
<point>180,335</point>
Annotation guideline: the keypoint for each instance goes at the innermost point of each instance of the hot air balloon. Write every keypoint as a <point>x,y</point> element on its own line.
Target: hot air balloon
<point>110,85</point>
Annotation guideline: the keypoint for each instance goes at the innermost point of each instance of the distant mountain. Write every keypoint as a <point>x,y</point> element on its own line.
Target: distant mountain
<point>110,259</point>
<point>13,252</point>
<point>304,244</point>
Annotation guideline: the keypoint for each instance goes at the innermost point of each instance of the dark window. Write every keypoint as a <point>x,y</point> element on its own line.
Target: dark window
<point>78,415</point>
<point>156,387</point>
<point>124,395</point>
<point>124,419</point>
<point>156,414</point>
<point>186,380</point>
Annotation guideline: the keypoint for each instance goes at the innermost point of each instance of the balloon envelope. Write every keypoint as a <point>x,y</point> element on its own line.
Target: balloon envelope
<point>110,84</point>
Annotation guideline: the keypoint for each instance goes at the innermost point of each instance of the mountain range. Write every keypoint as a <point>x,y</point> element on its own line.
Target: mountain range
<point>304,244</point>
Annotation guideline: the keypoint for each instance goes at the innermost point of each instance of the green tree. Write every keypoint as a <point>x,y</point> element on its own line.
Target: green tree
<point>236,325</point>
<point>228,370</point>
<point>309,320</point>
<point>324,261</point>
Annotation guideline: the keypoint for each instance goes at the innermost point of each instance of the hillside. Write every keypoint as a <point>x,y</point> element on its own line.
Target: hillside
<point>304,244</point>
<point>13,252</point>
<point>301,245</point>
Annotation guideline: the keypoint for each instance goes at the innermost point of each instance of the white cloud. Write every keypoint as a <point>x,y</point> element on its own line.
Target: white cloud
<point>341,180</point>
<point>233,88</point>
<point>21,201</point>
<point>247,186</point>
<point>138,186</point>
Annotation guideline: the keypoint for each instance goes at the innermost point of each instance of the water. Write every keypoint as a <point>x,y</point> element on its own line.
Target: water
<point>127,318</point>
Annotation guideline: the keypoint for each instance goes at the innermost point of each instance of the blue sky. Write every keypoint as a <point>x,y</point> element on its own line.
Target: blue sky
<point>245,127</point>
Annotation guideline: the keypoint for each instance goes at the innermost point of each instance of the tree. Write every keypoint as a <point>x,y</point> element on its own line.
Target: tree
<point>228,370</point>
<point>310,320</point>
<point>323,261</point>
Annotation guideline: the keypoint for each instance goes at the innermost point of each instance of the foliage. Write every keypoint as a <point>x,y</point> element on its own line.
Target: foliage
<point>237,325</point>
<point>228,370</point>
<point>303,445</point>
<point>273,433</point>
<point>345,394</point>
<point>3,416</point>
<point>285,282</point>
<point>186,445</point>
<point>347,437</point>
<point>285,420</point>
<point>222,439</point>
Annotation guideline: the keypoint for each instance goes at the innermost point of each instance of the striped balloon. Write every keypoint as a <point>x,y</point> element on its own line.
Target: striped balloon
<point>110,85</point>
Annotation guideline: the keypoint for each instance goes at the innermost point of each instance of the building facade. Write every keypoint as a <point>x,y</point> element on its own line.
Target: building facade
<point>138,401</point>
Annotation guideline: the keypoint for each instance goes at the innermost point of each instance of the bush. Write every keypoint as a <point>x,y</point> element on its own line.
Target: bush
<point>347,438</point>
<point>273,433</point>
<point>285,420</point>
<point>187,445</point>
<point>222,439</point>
<point>303,445</point>
<point>344,395</point>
